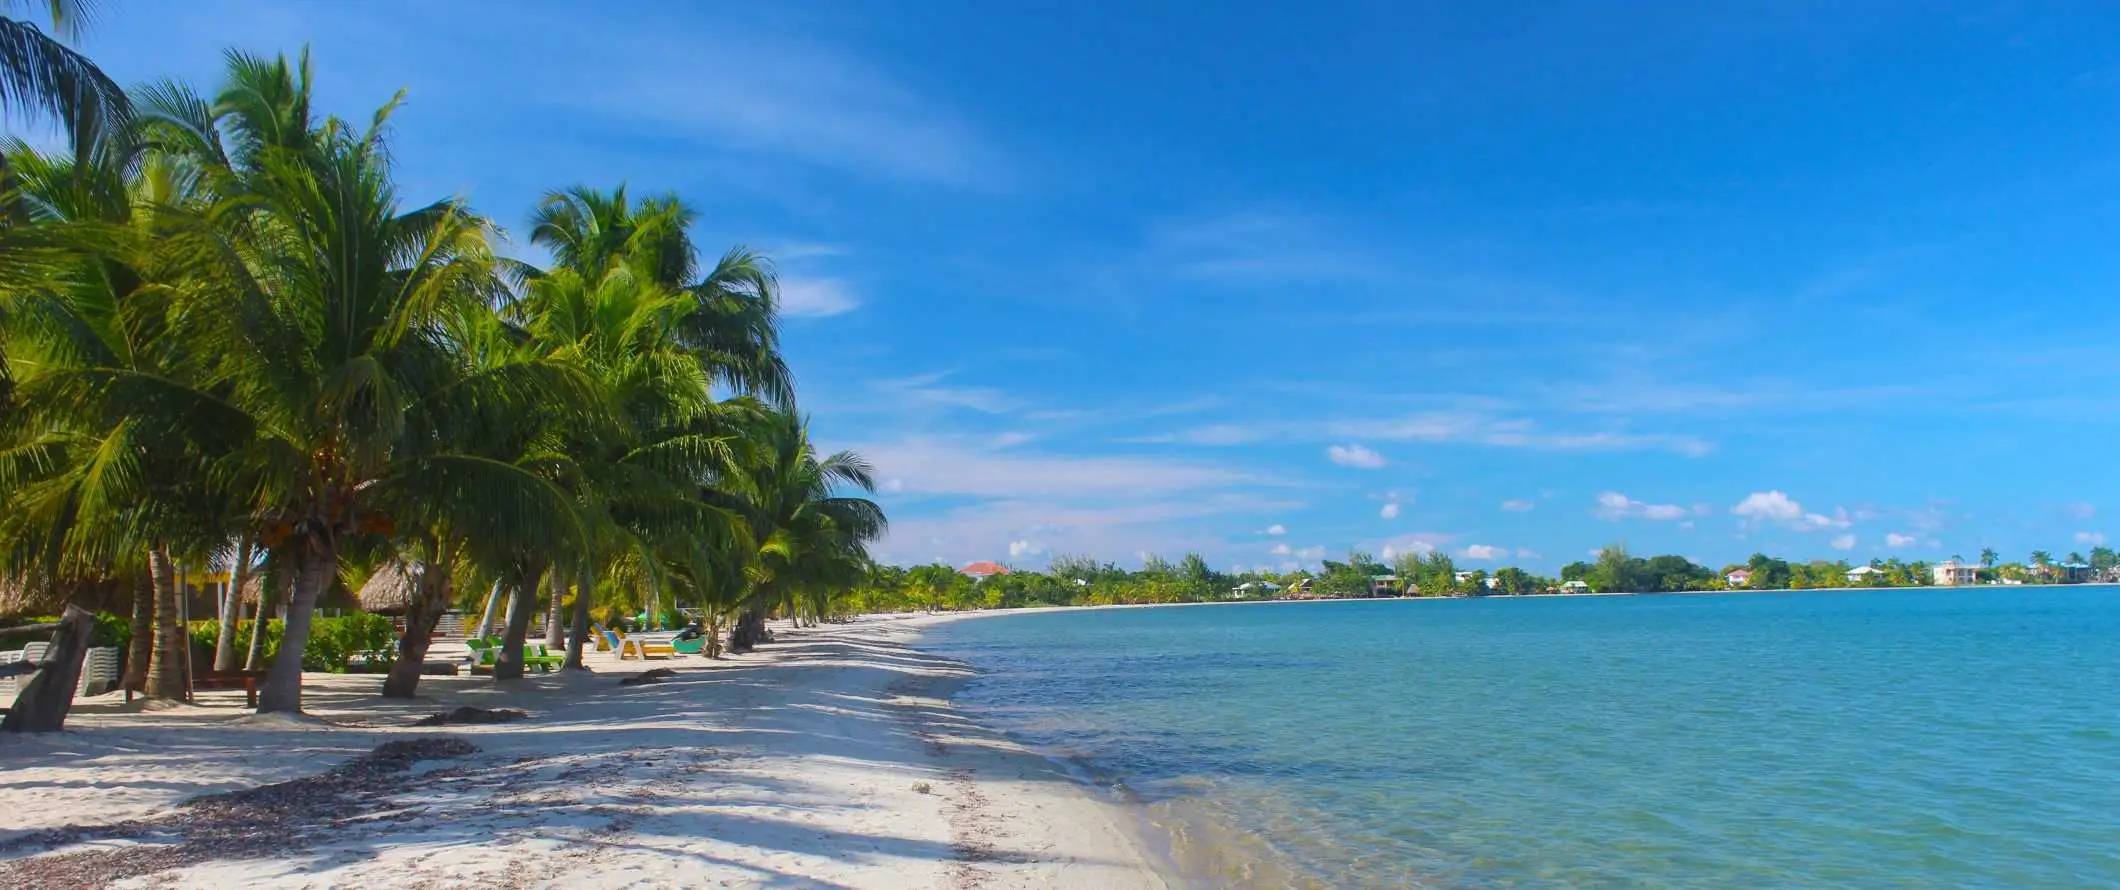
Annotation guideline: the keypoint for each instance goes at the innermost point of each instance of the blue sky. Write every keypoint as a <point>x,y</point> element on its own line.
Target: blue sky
<point>1510,279</point>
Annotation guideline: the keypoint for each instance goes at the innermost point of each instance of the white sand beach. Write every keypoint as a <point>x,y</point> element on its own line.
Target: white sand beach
<point>828,759</point>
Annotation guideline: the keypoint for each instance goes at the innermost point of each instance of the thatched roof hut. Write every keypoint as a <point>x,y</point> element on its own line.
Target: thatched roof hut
<point>28,596</point>
<point>391,590</point>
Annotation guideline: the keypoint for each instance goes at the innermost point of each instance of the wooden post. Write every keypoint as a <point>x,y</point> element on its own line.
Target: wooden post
<point>49,695</point>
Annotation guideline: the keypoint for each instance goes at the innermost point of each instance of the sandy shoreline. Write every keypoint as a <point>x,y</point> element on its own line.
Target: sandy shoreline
<point>830,759</point>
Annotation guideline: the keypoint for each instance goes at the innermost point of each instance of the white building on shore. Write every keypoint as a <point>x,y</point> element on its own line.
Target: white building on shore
<point>1865,575</point>
<point>1952,572</point>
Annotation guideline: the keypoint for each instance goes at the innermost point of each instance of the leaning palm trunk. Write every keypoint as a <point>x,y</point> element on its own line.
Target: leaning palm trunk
<point>165,664</point>
<point>426,608</point>
<point>522,606</point>
<point>224,644</point>
<point>580,636</point>
<point>143,634</point>
<point>750,631</point>
<point>555,630</point>
<point>316,561</point>
<point>259,611</point>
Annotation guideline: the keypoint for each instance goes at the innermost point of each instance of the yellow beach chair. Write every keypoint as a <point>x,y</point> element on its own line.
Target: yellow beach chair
<point>630,647</point>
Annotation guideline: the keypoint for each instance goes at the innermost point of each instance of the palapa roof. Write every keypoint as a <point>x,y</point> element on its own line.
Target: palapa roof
<point>391,589</point>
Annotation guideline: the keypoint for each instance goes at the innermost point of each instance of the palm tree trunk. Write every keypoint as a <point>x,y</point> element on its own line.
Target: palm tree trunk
<point>143,634</point>
<point>316,560</point>
<point>522,606</point>
<point>555,633</point>
<point>224,644</point>
<point>576,644</point>
<point>750,630</point>
<point>421,615</point>
<point>165,663</point>
<point>258,613</point>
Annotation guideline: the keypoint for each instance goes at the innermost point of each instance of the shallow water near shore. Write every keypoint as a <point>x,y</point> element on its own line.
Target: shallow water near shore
<point>1964,737</point>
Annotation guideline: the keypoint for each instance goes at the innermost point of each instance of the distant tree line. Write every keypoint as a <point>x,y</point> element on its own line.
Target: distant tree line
<point>1082,581</point>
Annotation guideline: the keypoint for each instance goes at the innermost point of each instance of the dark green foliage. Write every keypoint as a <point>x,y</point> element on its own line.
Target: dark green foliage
<point>111,630</point>
<point>333,641</point>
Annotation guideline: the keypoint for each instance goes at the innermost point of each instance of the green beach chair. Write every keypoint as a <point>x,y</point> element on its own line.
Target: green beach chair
<point>535,656</point>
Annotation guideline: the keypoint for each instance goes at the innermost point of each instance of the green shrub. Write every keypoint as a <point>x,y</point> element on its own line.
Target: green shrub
<point>332,641</point>
<point>111,630</point>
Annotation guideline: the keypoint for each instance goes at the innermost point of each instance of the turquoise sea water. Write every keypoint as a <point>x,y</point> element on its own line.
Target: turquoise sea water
<point>1922,738</point>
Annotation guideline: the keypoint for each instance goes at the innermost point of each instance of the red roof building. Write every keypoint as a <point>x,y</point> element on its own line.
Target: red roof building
<point>983,569</point>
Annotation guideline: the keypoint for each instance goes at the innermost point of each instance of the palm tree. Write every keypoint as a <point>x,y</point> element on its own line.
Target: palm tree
<point>809,535</point>
<point>1988,557</point>
<point>118,425</point>
<point>733,328</point>
<point>639,466</point>
<point>40,76</point>
<point>482,481</point>
<point>328,335</point>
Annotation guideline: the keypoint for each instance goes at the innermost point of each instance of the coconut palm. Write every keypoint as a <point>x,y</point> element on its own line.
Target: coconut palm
<point>733,328</point>
<point>641,465</point>
<point>808,533</point>
<point>482,481</point>
<point>328,336</point>
<point>41,76</point>
<point>115,423</point>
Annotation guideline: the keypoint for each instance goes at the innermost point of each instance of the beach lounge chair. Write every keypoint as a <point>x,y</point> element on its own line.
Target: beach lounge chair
<point>486,651</point>
<point>635,647</point>
<point>535,656</point>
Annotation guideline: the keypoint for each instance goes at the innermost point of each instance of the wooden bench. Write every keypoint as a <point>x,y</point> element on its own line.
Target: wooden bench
<point>244,680</point>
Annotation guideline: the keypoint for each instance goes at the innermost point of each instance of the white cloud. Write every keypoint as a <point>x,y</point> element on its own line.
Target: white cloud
<point>1761,506</point>
<point>1415,544</point>
<point>1613,506</point>
<point>816,297</point>
<point>1277,529</point>
<point>924,389</point>
<point>2095,539</point>
<point>1844,542</point>
<point>1486,429</point>
<point>951,466</point>
<point>1486,551</point>
<point>1518,506</point>
<point>1390,511</point>
<point>1896,539</point>
<point>769,97</point>
<point>1023,548</point>
<point>1279,550</point>
<point>1311,553</point>
<point>1355,456</point>
<point>1473,427</point>
<point>1817,521</point>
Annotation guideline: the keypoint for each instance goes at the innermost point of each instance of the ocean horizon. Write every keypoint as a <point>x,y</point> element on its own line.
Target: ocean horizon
<point>1918,737</point>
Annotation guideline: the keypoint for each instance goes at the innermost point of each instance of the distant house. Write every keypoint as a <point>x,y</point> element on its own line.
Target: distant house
<point>1739,578</point>
<point>1384,585</point>
<point>1865,575</point>
<point>1461,577</point>
<point>980,571</point>
<point>1951,572</point>
<point>1574,587</point>
<point>1250,589</point>
<point>2073,573</point>
<point>1303,589</point>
